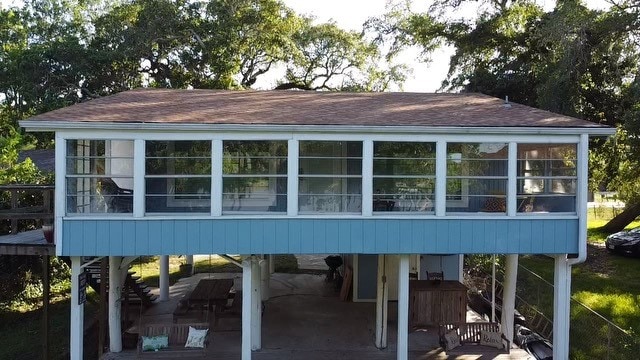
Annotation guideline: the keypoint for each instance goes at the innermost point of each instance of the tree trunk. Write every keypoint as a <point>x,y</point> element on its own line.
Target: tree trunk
<point>630,213</point>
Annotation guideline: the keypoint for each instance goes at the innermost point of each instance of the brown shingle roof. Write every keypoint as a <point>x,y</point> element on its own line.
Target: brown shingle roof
<point>308,108</point>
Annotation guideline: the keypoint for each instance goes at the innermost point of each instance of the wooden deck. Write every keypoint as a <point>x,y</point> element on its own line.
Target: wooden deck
<point>26,243</point>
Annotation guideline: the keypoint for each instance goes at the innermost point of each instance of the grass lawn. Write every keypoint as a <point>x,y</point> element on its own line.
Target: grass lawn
<point>21,329</point>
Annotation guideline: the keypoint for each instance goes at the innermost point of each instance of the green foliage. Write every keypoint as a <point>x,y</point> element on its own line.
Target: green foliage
<point>21,281</point>
<point>616,166</point>
<point>482,264</point>
<point>13,172</point>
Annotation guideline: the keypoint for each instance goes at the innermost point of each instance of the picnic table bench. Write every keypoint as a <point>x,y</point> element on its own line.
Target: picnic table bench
<point>208,295</point>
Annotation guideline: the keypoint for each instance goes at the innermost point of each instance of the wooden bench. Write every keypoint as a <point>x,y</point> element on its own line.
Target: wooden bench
<point>233,310</point>
<point>470,333</point>
<point>178,334</point>
<point>184,312</point>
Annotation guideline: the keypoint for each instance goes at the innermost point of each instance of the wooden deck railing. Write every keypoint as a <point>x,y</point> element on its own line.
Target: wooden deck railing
<point>28,203</point>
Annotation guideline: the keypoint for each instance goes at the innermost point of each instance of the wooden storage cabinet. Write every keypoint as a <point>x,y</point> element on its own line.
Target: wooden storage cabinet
<point>432,303</point>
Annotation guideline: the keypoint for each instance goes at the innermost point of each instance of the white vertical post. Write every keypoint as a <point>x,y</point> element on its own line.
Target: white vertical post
<point>382,298</point>
<point>77,312</point>
<point>272,264</point>
<point>164,278</point>
<point>256,305</point>
<point>512,180</point>
<point>292,177</point>
<point>403,307</point>
<point>139,156</point>
<point>509,294</point>
<point>493,288</point>
<point>367,178</point>
<point>247,296</point>
<point>60,207</point>
<point>265,276</point>
<point>115,293</point>
<point>561,307</point>
<point>216,177</point>
<point>441,178</point>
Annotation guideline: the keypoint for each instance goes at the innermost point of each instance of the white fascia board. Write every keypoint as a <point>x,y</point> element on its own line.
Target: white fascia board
<point>35,125</point>
<point>101,134</point>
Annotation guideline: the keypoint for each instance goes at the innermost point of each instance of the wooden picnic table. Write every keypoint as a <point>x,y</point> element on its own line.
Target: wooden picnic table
<point>211,292</point>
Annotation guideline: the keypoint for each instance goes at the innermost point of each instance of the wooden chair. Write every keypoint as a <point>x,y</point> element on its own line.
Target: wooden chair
<point>435,276</point>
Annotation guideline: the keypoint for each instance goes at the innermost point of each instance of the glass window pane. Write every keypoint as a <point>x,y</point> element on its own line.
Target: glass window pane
<point>330,176</point>
<point>266,194</point>
<point>99,176</point>
<point>403,158</point>
<point>546,203</point>
<point>477,195</point>
<point>403,195</point>
<point>178,176</point>
<point>549,172</point>
<point>403,176</point>
<point>255,176</point>
<point>477,177</point>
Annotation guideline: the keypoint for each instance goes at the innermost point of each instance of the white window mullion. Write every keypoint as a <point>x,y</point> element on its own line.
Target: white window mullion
<point>441,178</point>
<point>367,178</point>
<point>139,177</point>
<point>216,177</point>
<point>512,181</point>
<point>292,177</point>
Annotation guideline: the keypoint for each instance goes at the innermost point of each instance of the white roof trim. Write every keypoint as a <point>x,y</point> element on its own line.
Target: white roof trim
<point>40,126</point>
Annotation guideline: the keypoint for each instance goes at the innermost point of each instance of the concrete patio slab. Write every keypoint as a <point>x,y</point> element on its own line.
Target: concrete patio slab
<point>304,319</point>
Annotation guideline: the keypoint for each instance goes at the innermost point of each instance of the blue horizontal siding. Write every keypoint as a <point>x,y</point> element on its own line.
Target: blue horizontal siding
<point>318,236</point>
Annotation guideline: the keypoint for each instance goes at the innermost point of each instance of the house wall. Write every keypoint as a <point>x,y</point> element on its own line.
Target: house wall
<point>125,237</point>
<point>449,265</point>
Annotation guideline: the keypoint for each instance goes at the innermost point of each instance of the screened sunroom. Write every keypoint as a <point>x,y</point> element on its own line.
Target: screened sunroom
<point>168,172</point>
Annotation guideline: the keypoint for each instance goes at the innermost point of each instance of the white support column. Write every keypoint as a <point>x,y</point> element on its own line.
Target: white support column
<point>403,307</point>
<point>493,288</point>
<point>115,293</point>
<point>509,294</point>
<point>247,295</point>
<point>367,178</point>
<point>256,305</point>
<point>292,177</point>
<point>561,307</point>
<point>265,276</point>
<point>77,312</point>
<point>164,278</point>
<point>441,178</point>
<point>382,301</point>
